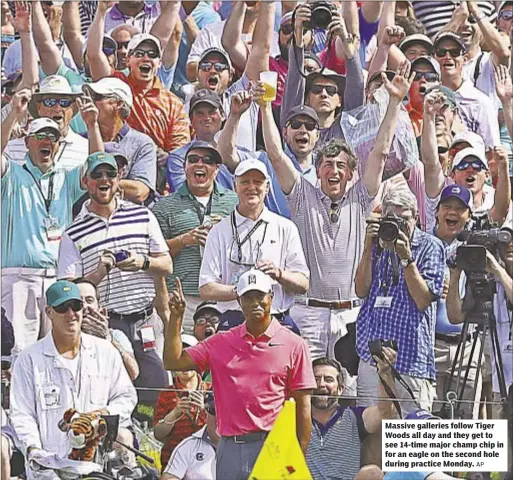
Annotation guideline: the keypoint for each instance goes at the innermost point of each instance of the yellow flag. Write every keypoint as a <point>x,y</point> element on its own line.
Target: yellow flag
<point>281,456</point>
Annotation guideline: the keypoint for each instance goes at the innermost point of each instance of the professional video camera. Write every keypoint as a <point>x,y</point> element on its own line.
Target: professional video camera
<point>376,346</point>
<point>390,226</point>
<point>322,14</point>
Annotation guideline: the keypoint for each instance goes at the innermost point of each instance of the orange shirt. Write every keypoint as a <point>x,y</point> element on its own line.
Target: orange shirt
<point>159,114</point>
<point>416,118</point>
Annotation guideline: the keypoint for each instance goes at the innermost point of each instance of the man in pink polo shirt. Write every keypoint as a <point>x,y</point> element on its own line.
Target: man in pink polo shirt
<point>255,367</point>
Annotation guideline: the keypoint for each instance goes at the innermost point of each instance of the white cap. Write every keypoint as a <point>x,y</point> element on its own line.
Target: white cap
<point>502,5</point>
<point>143,37</point>
<point>55,84</point>
<point>41,124</point>
<point>254,280</point>
<point>415,38</point>
<point>190,340</point>
<point>111,86</point>
<point>473,139</point>
<point>251,164</point>
<point>469,152</point>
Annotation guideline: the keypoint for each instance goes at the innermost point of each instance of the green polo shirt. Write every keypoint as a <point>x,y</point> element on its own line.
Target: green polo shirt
<point>178,214</point>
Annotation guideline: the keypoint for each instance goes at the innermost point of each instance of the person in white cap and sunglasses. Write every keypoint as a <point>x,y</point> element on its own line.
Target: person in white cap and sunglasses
<point>37,201</point>
<point>252,237</point>
<point>246,402</point>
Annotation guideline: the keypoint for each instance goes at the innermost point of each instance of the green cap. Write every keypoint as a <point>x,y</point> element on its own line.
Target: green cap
<point>100,158</point>
<point>61,292</point>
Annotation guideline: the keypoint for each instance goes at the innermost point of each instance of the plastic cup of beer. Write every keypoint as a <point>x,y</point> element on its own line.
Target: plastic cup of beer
<point>270,81</point>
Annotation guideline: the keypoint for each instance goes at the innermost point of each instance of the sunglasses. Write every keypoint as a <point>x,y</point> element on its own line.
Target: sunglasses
<point>287,29</point>
<point>76,306</point>
<point>471,19</point>
<point>453,52</point>
<point>96,97</point>
<point>206,159</point>
<point>204,321</point>
<point>108,51</point>
<point>331,90</point>
<point>506,15</point>
<point>108,173</point>
<point>297,124</point>
<point>477,166</point>
<point>122,44</point>
<point>139,53</point>
<point>43,136</point>
<point>218,66</point>
<point>51,102</point>
<point>429,76</point>
<point>442,150</point>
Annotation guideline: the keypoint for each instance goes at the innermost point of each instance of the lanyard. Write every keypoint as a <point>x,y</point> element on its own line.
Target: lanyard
<point>48,200</point>
<point>198,206</point>
<point>246,238</point>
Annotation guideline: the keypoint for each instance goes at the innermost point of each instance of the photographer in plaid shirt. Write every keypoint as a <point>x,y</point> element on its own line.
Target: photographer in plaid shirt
<point>400,280</point>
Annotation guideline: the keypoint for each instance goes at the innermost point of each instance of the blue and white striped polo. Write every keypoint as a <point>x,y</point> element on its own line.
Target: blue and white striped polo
<point>130,227</point>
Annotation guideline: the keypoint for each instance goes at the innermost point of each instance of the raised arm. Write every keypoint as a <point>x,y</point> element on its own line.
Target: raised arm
<point>232,36</point>
<point>388,55</point>
<point>371,10</point>
<point>89,113</point>
<point>502,199</point>
<point>504,89</point>
<point>397,90</point>
<point>18,111</point>
<point>49,54</point>
<point>165,25</point>
<point>458,18</point>
<point>71,32</point>
<point>171,52</point>
<point>98,61</point>
<point>23,25</point>
<point>434,176</point>
<point>258,60</point>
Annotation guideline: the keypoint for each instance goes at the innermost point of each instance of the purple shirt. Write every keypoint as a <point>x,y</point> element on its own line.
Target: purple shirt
<point>144,20</point>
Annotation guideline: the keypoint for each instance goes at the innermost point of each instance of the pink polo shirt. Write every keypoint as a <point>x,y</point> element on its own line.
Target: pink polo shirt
<point>252,377</point>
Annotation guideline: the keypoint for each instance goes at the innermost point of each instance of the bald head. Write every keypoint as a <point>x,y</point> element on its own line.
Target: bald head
<point>369,472</point>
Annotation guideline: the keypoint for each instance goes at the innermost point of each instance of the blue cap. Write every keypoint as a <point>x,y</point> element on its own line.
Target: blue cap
<point>421,415</point>
<point>457,191</point>
<point>61,292</point>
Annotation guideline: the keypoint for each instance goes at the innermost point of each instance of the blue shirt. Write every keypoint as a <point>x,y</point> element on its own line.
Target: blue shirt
<point>24,239</point>
<point>414,330</point>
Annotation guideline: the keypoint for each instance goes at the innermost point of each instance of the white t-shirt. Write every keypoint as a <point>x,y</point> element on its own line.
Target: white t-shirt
<point>71,364</point>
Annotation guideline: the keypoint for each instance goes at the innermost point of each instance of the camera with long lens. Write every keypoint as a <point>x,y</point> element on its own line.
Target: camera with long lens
<point>390,226</point>
<point>322,15</point>
<point>376,346</point>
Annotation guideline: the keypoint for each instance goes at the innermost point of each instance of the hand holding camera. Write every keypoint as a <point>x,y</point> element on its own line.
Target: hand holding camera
<point>402,246</point>
<point>302,17</point>
<point>384,353</point>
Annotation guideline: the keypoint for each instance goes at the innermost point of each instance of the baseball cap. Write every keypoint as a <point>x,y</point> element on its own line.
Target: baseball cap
<point>43,123</point>
<point>54,85</point>
<point>251,164</point>
<point>202,307</point>
<point>207,146</point>
<point>312,56</point>
<point>144,37</point>
<point>449,36</point>
<point>220,51</point>
<point>61,292</point>
<point>416,38</point>
<point>285,18</point>
<point>469,152</point>
<point>449,94</point>
<point>503,4</point>
<point>303,110</point>
<point>108,42</point>
<point>111,86</point>
<point>340,80</point>
<point>421,415</point>
<point>473,139</point>
<point>426,59</point>
<point>113,149</point>
<point>457,191</point>
<point>377,75</point>
<point>205,96</point>
<point>254,280</point>
<point>189,340</point>
<point>100,158</point>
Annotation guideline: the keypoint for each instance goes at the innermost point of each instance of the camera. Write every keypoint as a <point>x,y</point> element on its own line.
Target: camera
<point>121,255</point>
<point>322,15</point>
<point>390,226</point>
<point>376,346</point>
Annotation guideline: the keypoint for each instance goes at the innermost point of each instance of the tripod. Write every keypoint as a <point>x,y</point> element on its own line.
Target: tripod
<point>478,306</point>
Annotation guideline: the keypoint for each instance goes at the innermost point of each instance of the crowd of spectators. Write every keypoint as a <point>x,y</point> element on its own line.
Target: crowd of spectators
<point>187,245</point>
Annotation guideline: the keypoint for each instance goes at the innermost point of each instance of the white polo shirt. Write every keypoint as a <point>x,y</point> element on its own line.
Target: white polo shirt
<point>270,238</point>
<point>194,458</point>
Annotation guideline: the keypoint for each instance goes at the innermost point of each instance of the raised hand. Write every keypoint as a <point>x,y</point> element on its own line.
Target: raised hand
<point>392,35</point>
<point>23,21</point>
<point>503,84</point>
<point>401,83</point>
<point>434,103</point>
<point>103,6</point>
<point>303,15</point>
<point>88,110</point>
<point>350,42</point>
<point>240,103</point>
<point>269,268</point>
<point>177,301</point>
<point>20,102</point>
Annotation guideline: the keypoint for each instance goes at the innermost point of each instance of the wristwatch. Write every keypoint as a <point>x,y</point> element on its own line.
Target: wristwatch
<point>146,264</point>
<point>406,261</point>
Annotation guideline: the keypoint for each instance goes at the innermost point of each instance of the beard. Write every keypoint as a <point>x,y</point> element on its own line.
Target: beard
<point>323,402</point>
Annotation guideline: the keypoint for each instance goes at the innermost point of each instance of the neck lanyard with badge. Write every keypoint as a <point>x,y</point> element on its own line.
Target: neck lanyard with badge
<point>385,300</point>
<point>204,217</point>
<point>240,242</point>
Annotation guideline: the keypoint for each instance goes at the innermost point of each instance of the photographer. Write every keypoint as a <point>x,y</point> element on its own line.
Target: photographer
<point>400,276</point>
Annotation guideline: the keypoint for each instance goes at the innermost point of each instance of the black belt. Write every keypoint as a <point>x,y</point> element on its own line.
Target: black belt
<point>132,317</point>
<point>451,339</point>
<point>279,316</point>
<point>336,305</point>
<point>248,438</point>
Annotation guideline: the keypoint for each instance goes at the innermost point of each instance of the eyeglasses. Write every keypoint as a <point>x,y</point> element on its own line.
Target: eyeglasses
<point>506,15</point>
<point>51,102</point>
<point>139,53</point>
<point>218,66</point>
<point>122,45</point>
<point>453,52</point>
<point>429,76</point>
<point>331,90</point>
<point>108,173</point>
<point>477,166</point>
<point>287,29</point>
<point>76,306</point>
<point>204,321</point>
<point>297,124</point>
<point>46,135</point>
<point>206,159</point>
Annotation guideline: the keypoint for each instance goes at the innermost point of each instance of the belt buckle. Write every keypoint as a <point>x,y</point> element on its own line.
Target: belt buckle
<point>235,440</point>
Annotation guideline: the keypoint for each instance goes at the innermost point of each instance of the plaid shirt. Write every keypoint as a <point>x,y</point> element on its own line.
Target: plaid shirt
<point>414,330</point>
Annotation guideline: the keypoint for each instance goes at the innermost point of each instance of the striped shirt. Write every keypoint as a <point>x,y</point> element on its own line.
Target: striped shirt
<point>334,448</point>
<point>72,153</point>
<point>178,214</point>
<point>332,250</point>
<point>435,15</point>
<point>130,227</point>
